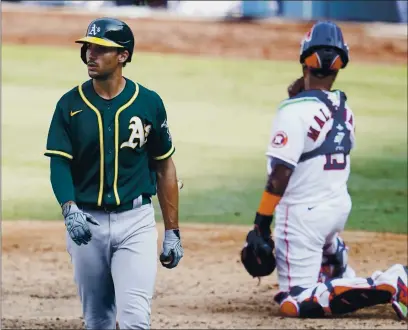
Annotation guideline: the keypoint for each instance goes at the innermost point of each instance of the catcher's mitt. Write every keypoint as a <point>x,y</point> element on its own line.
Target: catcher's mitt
<point>257,254</point>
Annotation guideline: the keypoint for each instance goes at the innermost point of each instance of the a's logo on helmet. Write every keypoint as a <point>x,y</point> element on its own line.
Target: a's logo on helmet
<point>94,30</point>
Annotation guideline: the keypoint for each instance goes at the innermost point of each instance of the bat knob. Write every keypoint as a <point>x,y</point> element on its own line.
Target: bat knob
<point>166,259</point>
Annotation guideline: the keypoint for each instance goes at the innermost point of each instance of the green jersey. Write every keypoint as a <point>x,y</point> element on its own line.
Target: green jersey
<point>111,144</point>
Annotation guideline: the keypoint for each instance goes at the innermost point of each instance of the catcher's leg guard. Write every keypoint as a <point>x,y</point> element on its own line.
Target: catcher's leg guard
<point>399,273</point>
<point>385,287</point>
<point>347,299</point>
<point>289,307</point>
<point>346,295</point>
<point>335,300</point>
<point>400,301</point>
<point>308,307</point>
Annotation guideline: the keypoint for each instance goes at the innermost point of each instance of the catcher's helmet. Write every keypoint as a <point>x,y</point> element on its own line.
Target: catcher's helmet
<point>323,49</point>
<point>108,32</point>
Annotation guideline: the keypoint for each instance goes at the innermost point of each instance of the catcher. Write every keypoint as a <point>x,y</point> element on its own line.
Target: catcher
<point>308,166</point>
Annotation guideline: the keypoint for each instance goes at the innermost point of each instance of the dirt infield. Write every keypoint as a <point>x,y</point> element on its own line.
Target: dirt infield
<point>210,288</point>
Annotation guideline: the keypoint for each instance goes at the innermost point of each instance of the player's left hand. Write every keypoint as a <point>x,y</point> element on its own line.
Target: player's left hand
<point>172,249</point>
<point>257,254</point>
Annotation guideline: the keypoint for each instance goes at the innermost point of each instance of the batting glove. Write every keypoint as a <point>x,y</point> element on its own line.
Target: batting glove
<point>76,222</point>
<point>172,250</point>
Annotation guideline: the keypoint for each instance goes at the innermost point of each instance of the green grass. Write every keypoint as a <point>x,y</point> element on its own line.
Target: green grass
<point>220,113</point>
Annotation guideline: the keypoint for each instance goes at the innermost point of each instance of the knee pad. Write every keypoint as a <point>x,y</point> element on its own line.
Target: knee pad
<point>336,265</point>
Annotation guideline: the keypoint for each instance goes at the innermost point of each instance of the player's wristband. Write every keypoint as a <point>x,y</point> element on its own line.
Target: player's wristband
<point>263,222</point>
<point>268,203</point>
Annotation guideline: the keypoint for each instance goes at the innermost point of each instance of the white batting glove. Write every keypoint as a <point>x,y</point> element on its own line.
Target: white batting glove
<point>76,223</point>
<point>172,249</point>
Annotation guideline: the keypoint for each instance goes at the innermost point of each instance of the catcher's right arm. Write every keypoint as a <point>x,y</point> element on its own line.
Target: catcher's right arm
<point>296,87</point>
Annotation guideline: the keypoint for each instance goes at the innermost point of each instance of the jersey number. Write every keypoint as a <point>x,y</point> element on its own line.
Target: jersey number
<point>139,134</point>
<point>335,162</point>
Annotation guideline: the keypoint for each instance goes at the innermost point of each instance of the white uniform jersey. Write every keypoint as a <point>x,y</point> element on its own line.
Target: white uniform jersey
<point>301,125</point>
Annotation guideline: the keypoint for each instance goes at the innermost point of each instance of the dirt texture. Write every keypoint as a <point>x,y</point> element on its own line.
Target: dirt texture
<point>210,288</point>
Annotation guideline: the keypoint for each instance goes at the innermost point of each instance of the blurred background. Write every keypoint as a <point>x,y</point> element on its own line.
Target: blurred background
<point>360,11</point>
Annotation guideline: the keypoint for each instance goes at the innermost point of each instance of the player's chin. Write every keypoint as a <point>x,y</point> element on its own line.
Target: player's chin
<point>93,74</point>
<point>98,75</point>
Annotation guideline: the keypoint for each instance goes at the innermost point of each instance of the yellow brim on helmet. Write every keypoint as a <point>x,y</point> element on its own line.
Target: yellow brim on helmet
<point>98,41</point>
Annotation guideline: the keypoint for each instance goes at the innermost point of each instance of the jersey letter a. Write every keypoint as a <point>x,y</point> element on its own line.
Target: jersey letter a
<point>138,135</point>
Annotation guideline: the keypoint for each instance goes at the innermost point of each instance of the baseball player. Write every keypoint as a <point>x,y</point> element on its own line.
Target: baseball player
<point>308,166</point>
<point>110,151</point>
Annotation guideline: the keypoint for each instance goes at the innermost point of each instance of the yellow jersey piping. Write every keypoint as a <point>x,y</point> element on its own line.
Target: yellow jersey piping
<point>166,155</point>
<point>100,127</point>
<point>123,107</point>
<point>60,153</point>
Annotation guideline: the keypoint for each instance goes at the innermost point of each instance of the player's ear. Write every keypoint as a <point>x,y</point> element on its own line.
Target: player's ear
<point>123,56</point>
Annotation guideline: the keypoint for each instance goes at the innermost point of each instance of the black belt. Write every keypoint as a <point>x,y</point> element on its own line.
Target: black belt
<point>114,208</point>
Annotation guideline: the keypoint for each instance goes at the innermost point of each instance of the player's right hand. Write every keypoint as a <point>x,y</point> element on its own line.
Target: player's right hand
<point>76,222</point>
<point>296,87</point>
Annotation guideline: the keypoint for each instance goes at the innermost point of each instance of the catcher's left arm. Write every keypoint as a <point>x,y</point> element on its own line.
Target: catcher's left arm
<point>257,255</point>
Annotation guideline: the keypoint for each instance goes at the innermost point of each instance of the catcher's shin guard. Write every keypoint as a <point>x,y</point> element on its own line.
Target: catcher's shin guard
<point>347,299</point>
<point>383,287</point>
<point>337,300</point>
<point>400,299</point>
<point>346,295</point>
<point>299,303</point>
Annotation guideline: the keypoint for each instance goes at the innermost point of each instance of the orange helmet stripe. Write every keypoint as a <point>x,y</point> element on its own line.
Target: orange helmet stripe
<point>313,61</point>
<point>337,63</point>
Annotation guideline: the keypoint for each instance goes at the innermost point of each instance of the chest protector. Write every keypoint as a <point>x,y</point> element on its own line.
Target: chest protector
<point>338,139</point>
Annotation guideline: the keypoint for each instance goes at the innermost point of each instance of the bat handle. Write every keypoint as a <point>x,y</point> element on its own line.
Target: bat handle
<point>166,259</point>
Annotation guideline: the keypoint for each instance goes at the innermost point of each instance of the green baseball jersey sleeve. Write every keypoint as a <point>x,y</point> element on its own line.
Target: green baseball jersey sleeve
<point>161,146</point>
<point>59,140</point>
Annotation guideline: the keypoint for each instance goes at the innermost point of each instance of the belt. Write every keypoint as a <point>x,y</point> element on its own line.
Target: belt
<point>133,204</point>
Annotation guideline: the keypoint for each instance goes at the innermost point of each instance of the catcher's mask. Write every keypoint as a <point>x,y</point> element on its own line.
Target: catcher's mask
<point>323,49</point>
<point>257,255</point>
<point>108,32</point>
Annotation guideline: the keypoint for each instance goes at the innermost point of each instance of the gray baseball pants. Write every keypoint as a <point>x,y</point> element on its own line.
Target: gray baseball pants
<point>115,272</point>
